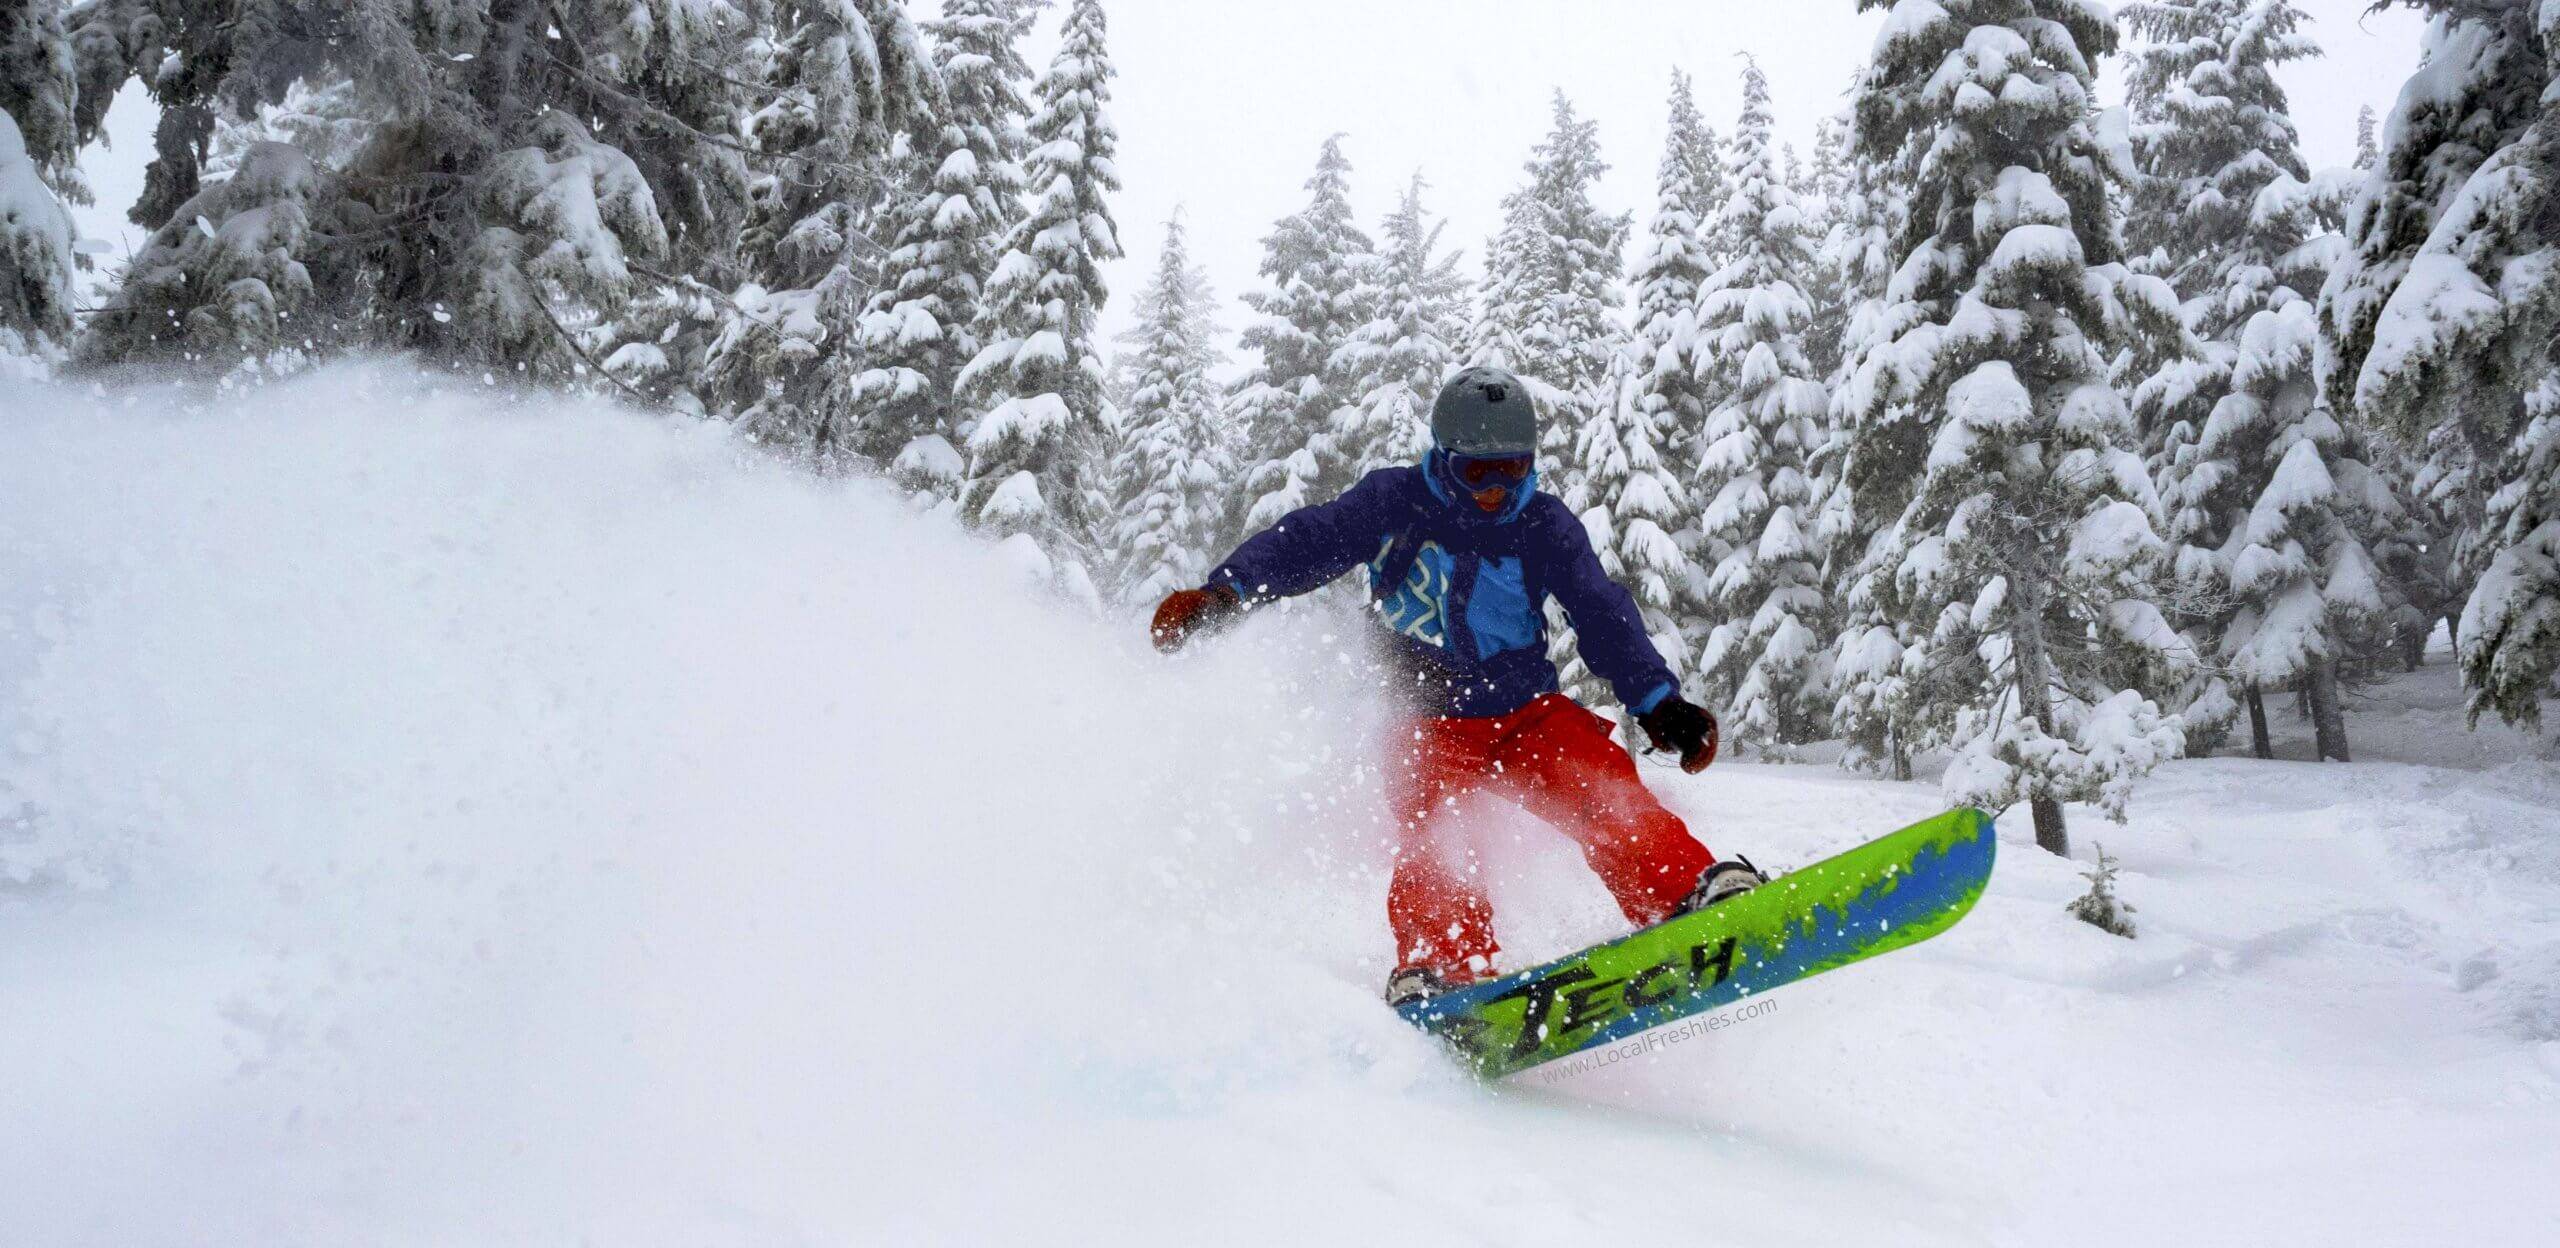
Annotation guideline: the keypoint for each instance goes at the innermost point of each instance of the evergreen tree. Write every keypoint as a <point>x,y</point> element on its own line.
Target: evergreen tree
<point>1824,202</point>
<point>1711,183</point>
<point>323,119</point>
<point>40,93</point>
<point>1873,705</point>
<point>1400,358</point>
<point>1641,462</point>
<point>1491,338</point>
<point>2100,907</point>
<point>1316,260</point>
<point>109,38</point>
<point>1671,268</point>
<point>2211,130</point>
<point>1037,384</point>
<point>921,324</point>
<point>2442,324</point>
<point>2022,557</point>
<point>1173,459</point>
<point>35,261</point>
<point>1551,315</point>
<point>2300,585</point>
<point>1826,176</point>
<point>844,93</point>
<point>534,174</point>
<point>1558,304</point>
<point>2250,459</point>
<point>226,276</point>
<point>1763,658</point>
<point>2367,152</point>
<point>1638,509</point>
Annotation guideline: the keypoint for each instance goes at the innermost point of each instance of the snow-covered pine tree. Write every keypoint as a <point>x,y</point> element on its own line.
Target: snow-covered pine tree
<point>1824,202</point>
<point>2367,152</point>
<point>226,277</point>
<point>921,324</point>
<point>836,95</point>
<point>40,92</point>
<point>2211,130</point>
<point>1671,267</point>
<point>597,144</point>
<point>1711,180</point>
<point>2265,498</point>
<point>1554,313</point>
<point>1763,659</point>
<point>2413,547</point>
<point>2023,556</point>
<point>2295,561</point>
<point>1559,312</point>
<point>1489,339</point>
<point>1826,176</point>
<point>1642,462</point>
<point>2100,907</point>
<point>108,40</point>
<point>1036,386</point>
<point>323,119</point>
<point>2442,324</point>
<point>1172,460</point>
<point>1400,358</point>
<point>1638,509</point>
<point>35,261</point>
<point>182,55</point>
<point>1862,482</point>
<point>534,167</point>
<point>1317,262</point>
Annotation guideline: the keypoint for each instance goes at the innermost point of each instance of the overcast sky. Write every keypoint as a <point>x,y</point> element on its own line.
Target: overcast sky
<point>1222,106</point>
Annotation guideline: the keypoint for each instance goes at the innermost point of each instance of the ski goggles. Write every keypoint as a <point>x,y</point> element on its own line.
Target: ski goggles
<point>1483,472</point>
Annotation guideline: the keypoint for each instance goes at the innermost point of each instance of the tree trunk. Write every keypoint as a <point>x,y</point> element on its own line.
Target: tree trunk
<point>2328,720</point>
<point>2035,700</point>
<point>2050,834</point>
<point>2260,744</point>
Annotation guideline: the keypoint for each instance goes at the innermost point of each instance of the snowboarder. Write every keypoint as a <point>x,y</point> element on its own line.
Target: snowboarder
<point>1462,552</point>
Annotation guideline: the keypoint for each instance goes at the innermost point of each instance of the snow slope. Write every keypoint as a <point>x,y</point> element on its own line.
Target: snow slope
<point>427,818</point>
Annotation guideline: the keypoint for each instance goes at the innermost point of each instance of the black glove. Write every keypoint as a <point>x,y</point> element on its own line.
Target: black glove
<point>1684,727</point>
<point>1187,611</point>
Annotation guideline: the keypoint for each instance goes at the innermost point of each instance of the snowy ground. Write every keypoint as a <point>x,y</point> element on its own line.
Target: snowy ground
<point>430,820</point>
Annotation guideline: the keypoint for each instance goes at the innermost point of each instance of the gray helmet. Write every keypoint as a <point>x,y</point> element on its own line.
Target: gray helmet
<point>1485,411</point>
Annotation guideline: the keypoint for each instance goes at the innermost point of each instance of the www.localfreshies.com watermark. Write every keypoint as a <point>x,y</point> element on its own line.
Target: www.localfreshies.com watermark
<point>1658,1039</point>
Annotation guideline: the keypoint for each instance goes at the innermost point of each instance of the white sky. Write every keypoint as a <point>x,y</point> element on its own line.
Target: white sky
<point>1221,106</point>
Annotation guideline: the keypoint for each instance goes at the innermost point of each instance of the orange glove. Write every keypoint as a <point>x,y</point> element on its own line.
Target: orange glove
<point>1187,611</point>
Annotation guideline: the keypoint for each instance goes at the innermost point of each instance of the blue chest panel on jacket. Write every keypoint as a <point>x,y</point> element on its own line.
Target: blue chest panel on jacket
<point>1489,593</point>
<point>1499,612</point>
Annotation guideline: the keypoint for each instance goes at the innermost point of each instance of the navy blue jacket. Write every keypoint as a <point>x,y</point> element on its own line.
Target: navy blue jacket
<point>1460,590</point>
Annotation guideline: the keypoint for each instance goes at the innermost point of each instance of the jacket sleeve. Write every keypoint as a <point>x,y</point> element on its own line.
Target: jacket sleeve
<point>1310,546</point>
<point>1605,619</point>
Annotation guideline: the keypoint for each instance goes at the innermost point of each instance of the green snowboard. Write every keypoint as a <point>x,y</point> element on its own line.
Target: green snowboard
<point>1893,891</point>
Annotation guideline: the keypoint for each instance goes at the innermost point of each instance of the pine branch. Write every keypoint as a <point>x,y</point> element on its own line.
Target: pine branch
<point>697,286</point>
<point>610,92</point>
<point>571,342</point>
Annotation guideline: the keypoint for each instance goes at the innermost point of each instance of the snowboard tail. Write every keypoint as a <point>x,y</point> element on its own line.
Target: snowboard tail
<point>1897,890</point>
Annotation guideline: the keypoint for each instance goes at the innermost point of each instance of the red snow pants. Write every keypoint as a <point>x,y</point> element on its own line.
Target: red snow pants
<point>1555,760</point>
